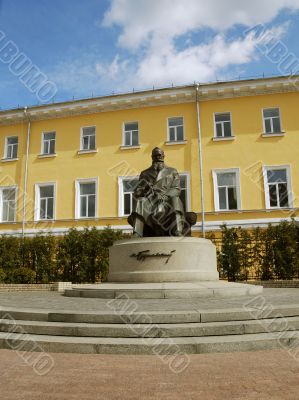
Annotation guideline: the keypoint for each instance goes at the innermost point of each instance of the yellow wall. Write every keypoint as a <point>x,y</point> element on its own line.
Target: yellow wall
<point>248,149</point>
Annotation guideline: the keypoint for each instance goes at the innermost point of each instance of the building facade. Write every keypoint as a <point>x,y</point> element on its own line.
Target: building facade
<point>74,164</point>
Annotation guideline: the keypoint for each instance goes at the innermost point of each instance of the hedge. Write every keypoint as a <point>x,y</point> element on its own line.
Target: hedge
<point>82,256</point>
<point>264,254</point>
<point>78,257</point>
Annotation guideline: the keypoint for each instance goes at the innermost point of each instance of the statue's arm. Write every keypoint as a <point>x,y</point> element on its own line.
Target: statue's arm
<point>175,188</point>
<point>142,187</point>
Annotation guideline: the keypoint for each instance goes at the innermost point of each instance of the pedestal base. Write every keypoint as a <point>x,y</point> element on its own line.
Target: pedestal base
<point>180,290</point>
<point>163,259</point>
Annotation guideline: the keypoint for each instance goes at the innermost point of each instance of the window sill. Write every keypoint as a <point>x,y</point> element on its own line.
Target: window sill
<point>45,220</point>
<point>228,211</point>
<point>8,222</point>
<point>279,209</point>
<point>9,159</point>
<point>87,151</point>
<point>224,138</point>
<point>130,147</point>
<point>86,218</point>
<point>47,155</point>
<point>173,142</point>
<point>277,134</point>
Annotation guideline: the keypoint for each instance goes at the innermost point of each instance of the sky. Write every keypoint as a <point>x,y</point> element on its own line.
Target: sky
<point>84,48</point>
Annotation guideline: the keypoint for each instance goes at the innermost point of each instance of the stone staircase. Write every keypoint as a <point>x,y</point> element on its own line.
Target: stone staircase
<point>122,331</point>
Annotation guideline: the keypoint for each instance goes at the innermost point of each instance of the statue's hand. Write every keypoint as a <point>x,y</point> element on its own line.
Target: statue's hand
<point>162,198</point>
<point>139,193</point>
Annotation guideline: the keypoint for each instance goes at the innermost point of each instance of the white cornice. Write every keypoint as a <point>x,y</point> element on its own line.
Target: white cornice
<point>155,97</point>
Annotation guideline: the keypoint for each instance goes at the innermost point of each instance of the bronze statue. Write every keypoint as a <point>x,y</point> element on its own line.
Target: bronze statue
<point>158,208</point>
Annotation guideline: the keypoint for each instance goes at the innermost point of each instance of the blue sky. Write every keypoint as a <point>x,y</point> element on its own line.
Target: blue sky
<point>96,47</point>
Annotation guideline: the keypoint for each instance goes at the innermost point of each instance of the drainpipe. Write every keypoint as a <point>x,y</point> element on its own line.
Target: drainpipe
<point>26,172</point>
<point>200,163</point>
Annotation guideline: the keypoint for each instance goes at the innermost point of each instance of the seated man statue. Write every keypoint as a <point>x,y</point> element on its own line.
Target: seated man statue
<point>158,209</point>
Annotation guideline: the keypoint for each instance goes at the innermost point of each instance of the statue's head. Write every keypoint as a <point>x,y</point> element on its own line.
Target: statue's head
<point>158,155</point>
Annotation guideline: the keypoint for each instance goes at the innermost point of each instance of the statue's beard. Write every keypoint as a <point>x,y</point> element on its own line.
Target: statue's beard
<point>158,165</point>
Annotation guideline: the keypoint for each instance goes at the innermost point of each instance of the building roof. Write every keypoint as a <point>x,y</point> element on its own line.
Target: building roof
<point>154,97</point>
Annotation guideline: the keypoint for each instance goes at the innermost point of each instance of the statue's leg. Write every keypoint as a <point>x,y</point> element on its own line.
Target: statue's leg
<point>179,224</point>
<point>138,227</point>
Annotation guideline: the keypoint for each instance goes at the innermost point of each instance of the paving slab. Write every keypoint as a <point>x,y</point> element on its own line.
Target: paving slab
<point>263,375</point>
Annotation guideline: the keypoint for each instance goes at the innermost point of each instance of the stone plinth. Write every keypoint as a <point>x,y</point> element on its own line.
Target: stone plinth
<point>163,259</point>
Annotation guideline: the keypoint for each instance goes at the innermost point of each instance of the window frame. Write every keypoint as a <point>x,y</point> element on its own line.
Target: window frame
<point>264,122</point>
<point>121,207</point>
<point>15,187</point>
<point>188,197</point>
<point>37,208</point>
<point>168,130</point>
<point>215,127</point>
<point>77,197</point>
<point>124,135</point>
<point>215,172</point>
<point>6,147</point>
<point>267,168</point>
<point>82,150</point>
<point>42,153</point>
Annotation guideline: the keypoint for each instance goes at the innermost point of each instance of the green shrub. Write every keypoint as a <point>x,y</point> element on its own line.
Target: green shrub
<point>22,275</point>
<point>257,252</point>
<point>39,253</point>
<point>2,275</point>
<point>268,260</point>
<point>10,252</point>
<point>107,237</point>
<point>285,250</point>
<point>229,257</point>
<point>69,256</point>
<point>83,256</point>
<point>272,253</point>
<point>245,254</point>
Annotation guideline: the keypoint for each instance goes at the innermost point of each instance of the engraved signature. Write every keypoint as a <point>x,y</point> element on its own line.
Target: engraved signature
<point>143,255</point>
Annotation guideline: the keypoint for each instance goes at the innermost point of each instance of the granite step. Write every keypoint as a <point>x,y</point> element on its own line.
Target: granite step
<point>125,315</point>
<point>180,347</point>
<point>150,330</point>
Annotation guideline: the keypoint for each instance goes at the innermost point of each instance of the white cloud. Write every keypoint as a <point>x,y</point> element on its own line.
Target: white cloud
<point>113,70</point>
<point>149,30</point>
<point>148,33</point>
<point>144,21</point>
<point>201,62</point>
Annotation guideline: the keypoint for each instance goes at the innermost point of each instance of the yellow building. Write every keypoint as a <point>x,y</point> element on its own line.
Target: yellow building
<point>73,164</point>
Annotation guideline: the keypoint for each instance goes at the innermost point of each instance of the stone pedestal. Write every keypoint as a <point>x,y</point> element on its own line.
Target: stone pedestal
<point>163,268</point>
<point>163,259</point>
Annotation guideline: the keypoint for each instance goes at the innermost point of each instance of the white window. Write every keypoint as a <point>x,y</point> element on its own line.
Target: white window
<point>176,129</point>
<point>226,189</point>
<point>223,125</point>
<point>8,204</point>
<point>49,139</point>
<point>278,187</point>
<point>127,185</point>
<point>45,201</point>
<point>11,151</point>
<point>86,201</point>
<point>185,190</point>
<point>131,134</point>
<point>88,138</point>
<point>272,122</point>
